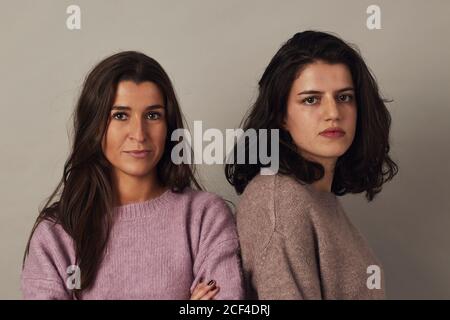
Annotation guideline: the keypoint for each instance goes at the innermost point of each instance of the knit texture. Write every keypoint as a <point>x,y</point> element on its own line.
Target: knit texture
<point>158,249</point>
<point>298,243</point>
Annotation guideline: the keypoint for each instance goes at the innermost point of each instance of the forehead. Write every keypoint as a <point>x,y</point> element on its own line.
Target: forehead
<point>131,94</point>
<point>324,76</point>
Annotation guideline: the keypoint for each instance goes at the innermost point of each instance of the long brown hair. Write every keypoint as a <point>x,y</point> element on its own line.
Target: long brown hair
<point>85,192</point>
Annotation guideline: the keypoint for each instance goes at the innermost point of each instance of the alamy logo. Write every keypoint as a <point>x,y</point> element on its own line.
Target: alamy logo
<point>73,21</point>
<point>74,279</point>
<point>374,280</point>
<point>374,20</point>
<point>252,143</point>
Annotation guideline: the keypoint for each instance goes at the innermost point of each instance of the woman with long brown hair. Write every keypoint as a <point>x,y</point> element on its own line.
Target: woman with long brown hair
<point>128,222</point>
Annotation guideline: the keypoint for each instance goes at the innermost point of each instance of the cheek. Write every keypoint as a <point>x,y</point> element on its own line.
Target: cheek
<point>302,126</point>
<point>158,136</point>
<point>112,143</point>
<point>351,120</point>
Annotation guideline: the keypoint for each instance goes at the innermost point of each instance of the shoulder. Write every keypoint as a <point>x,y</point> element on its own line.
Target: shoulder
<point>48,232</point>
<point>204,197</point>
<point>273,186</point>
<point>203,200</point>
<point>255,214</point>
<point>207,208</point>
<point>50,252</point>
<point>292,206</point>
<point>258,195</point>
<point>209,221</point>
<point>289,188</point>
<point>272,190</point>
<point>291,194</point>
<point>273,200</point>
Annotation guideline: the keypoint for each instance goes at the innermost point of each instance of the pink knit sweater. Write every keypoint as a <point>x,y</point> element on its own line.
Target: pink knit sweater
<point>158,249</point>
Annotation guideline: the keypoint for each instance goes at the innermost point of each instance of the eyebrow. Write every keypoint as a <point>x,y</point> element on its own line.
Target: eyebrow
<point>320,92</point>
<point>152,107</point>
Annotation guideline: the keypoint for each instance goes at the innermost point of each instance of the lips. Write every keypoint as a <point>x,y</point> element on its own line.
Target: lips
<point>140,154</point>
<point>334,132</point>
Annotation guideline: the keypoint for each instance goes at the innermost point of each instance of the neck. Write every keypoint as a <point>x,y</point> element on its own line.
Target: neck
<point>132,189</point>
<point>325,183</point>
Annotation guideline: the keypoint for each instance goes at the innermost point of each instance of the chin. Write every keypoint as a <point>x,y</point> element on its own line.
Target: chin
<point>137,172</point>
<point>331,152</point>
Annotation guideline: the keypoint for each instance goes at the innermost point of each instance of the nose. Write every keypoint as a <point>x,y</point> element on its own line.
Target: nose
<point>137,129</point>
<point>331,109</point>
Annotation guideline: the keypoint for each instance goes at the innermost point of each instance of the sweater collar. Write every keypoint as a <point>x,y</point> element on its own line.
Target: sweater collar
<point>146,208</point>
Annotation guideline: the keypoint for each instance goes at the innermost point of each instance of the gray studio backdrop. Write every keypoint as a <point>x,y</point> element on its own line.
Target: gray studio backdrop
<point>215,52</point>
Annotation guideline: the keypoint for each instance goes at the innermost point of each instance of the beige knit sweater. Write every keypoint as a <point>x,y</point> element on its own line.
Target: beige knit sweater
<point>298,243</point>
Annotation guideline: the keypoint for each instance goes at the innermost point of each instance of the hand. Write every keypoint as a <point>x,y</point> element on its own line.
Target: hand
<point>205,291</point>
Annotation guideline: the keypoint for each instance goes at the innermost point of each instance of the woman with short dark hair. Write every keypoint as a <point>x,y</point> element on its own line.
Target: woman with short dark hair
<point>296,240</point>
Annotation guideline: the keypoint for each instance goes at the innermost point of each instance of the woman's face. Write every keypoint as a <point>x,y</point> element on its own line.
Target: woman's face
<point>321,111</point>
<point>137,122</point>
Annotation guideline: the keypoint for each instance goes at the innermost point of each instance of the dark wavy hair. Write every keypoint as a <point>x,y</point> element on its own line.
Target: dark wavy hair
<point>366,165</point>
<point>85,192</point>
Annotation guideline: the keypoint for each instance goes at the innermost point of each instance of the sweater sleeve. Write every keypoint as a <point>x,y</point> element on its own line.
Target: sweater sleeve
<point>218,256</point>
<point>277,243</point>
<point>42,276</point>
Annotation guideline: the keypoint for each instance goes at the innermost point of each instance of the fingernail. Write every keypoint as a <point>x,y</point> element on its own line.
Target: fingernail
<point>212,282</point>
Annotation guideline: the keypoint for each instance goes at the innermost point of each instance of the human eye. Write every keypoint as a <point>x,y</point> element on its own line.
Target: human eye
<point>153,115</point>
<point>309,101</point>
<point>119,116</point>
<point>345,97</point>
